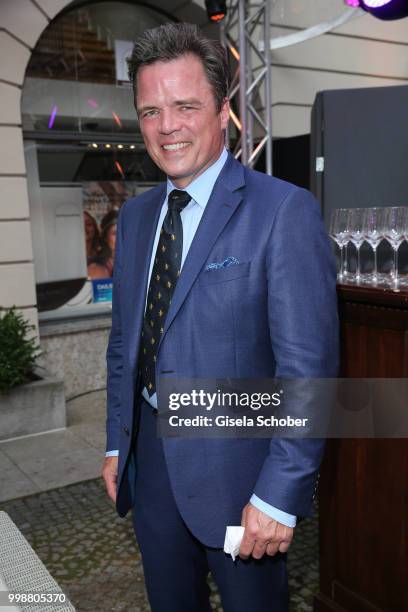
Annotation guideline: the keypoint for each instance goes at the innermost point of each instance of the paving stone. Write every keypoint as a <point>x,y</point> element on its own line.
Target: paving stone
<point>13,481</point>
<point>93,554</point>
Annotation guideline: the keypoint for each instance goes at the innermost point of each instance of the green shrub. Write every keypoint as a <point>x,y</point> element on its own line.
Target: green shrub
<point>17,352</point>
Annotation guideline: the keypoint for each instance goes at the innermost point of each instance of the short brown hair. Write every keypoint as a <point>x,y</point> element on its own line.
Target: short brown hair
<point>173,40</point>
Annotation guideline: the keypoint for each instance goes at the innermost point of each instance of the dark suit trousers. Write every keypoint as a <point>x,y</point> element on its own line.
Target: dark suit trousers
<point>176,564</point>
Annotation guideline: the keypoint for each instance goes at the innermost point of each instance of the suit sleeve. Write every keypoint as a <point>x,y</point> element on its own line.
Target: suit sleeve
<point>303,327</point>
<point>114,356</point>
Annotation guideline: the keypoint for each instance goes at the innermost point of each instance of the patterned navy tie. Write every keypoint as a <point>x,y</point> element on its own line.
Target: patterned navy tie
<point>165,273</point>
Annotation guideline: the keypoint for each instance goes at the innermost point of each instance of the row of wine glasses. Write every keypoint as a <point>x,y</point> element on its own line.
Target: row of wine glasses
<point>372,225</point>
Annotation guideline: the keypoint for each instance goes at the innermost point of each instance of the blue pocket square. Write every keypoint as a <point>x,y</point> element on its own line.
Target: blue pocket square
<point>230,261</point>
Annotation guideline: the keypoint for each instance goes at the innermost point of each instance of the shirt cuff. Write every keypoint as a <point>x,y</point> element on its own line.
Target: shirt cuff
<point>282,517</point>
<point>114,453</point>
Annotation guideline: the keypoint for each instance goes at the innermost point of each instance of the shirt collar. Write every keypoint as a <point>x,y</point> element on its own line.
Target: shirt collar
<point>200,189</point>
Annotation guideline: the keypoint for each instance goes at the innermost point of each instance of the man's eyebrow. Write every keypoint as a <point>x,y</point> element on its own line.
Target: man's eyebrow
<point>194,101</point>
<point>142,109</point>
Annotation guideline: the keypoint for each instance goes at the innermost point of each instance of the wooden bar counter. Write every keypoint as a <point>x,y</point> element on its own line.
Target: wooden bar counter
<point>363,493</point>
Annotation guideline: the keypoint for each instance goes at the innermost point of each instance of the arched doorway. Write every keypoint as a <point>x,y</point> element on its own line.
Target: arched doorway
<point>73,349</point>
<point>23,22</point>
<point>83,149</point>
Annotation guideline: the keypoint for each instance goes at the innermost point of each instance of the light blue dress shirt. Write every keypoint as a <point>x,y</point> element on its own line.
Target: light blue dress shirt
<point>200,191</point>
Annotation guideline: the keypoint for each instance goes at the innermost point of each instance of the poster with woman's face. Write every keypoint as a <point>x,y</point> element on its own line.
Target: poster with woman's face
<point>102,201</point>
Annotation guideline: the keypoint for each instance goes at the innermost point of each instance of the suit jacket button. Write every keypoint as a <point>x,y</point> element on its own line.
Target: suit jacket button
<point>126,430</point>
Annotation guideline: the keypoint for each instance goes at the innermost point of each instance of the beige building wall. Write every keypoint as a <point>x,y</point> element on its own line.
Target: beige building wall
<point>22,22</point>
<point>363,53</point>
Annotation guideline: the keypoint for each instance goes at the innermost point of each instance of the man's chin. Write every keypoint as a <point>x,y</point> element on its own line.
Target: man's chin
<point>177,173</point>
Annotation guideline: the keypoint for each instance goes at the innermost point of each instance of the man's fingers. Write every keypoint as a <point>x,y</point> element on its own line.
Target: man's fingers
<point>284,547</point>
<point>272,548</point>
<point>259,549</point>
<point>111,490</point>
<point>110,484</point>
<point>263,535</point>
<point>110,476</point>
<point>247,545</point>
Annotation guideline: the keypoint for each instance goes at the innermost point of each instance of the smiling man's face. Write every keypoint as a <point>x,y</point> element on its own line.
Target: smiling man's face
<point>181,128</point>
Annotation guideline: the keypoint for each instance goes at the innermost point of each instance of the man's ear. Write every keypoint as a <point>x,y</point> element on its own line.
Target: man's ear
<point>224,113</point>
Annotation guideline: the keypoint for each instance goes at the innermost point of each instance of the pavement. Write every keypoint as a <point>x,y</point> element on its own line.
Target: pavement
<point>46,461</point>
<point>51,488</point>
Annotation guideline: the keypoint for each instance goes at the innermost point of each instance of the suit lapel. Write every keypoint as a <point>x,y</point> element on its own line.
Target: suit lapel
<point>138,255</point>
<point>221,206</point>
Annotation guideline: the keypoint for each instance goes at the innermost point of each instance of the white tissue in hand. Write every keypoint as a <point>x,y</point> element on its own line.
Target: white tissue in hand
<point>233,539</point>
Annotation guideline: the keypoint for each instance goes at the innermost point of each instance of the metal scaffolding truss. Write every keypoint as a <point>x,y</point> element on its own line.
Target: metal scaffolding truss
<point>246,30</point>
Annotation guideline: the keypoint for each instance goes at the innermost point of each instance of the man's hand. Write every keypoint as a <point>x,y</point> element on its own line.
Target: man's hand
<point>262,534</point>
<point>110,475</point>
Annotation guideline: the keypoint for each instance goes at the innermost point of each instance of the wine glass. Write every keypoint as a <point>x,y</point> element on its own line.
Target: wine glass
<point>339,232</point>
<point>356,229</point>
<point>373,230</point>
<point>395,222</point>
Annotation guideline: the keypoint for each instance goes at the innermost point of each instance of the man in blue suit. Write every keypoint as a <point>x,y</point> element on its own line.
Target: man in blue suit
<point>221,272</point>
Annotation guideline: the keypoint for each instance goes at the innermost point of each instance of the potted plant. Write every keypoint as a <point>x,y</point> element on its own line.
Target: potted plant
<point>30,400</point>
<point>18,352</point>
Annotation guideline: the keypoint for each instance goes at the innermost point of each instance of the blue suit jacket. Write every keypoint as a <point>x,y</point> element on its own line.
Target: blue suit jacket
<point>273,314</point>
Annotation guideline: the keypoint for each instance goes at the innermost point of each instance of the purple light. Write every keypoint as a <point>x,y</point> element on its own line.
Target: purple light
<point>353,3</point>
<point>387,10</point>
<point>52,117</point>
<point>376,3</point>
<point>92,103</point>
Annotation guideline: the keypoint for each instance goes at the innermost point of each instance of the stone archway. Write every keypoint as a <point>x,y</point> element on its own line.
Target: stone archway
<point>23,22</point>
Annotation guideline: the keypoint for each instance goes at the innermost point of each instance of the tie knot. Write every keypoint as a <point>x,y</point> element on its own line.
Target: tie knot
<point>178,200</point>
